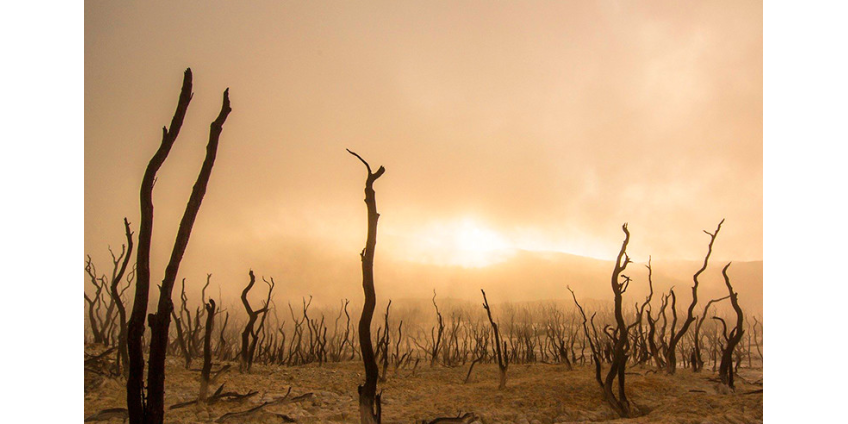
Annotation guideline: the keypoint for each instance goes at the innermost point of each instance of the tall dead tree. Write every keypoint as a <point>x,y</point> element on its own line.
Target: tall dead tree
<point>149,408</point>
<point>369,401</point>
<point>671,353</point>
<point>725,370</point>
<point>620,340</point>
<point>501,354</point>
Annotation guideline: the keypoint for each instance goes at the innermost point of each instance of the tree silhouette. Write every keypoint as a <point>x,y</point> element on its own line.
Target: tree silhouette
<point>725,370</point>
<point>671,354</point>
<point>369,400</point>
<point>149,408</point>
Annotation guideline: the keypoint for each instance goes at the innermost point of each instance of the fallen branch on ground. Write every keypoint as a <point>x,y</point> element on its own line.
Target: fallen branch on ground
<point>279,401</point>
<point>466,418</point>
<point>108,414</point>
<point>219,395</point>
<point>96,358</point>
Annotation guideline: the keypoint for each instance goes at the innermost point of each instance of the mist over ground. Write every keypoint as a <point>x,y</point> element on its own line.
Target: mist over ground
<point>536,127</point>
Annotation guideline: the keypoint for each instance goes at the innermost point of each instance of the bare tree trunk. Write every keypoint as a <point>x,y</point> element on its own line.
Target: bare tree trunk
<point>181,336</point>
<point>123,357</point>
<point>264,311</point>
<point>369,400</point>
<point>596,355</point>
<point>619,352</point>
<point>725,370</point>
<point>698,362</point>
<point>96,329</point>
<point>503,360</point>
<point>152,411</point>
<point>671,357</point>
<point>383,345</point>
<point>246,357</point>
<point>136,405</point>
<point>207,351</point>
<point>435,335</point>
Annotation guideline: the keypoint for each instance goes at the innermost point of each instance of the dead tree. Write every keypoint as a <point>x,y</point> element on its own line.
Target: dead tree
<point>698,362</point>
<point>369,401</point>
<point>725,370</point>
<point>435,335</point>
<point>503,360</point>
<point>103,329</point>
<point>178,323</point>
<point>150,408</point>
<point>207,350</point>
<point>342,341</point>
<point>222,347</point>
<point>261,328</point>
<point>383,343</point>
<point>671,356</point>
<point>248,336</point>
<point>652,329</point>
<point>122,358</point>
<point>620,340</point>
<point>94,302</point>
<point>596,354</point>
<point>756,341</point>
<point>648,345</point>
<point>195,341</point>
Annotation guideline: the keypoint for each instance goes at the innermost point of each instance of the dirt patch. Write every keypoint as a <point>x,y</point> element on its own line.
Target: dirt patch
<point>535,394</point>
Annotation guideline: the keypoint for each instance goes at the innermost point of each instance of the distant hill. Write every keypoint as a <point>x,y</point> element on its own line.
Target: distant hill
<point>523,276</point>
<point>529,276</point>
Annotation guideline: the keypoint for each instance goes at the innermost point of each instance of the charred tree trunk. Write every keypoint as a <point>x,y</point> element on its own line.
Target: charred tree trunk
<point>96,328</point>
<point>503,360</point>
<point>596,354</point>
<point>246,357</point>
<point>436,335</point>
<point>207,351</point>
<point>222,342</point>
<point>725,370</point>
<point>756,341</point>
<point>136,405</point>
<point>178,323</point>
<point>150,408</point>
<point>383,344</point>
<point>369,401</point>
<point>621,341</point>
<point>123,356</point>
<point>264,311</point>
<point>671,356</point>
<point>697,360</point>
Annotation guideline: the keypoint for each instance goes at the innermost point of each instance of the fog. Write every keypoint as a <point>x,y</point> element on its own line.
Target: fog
<point>505,128</point>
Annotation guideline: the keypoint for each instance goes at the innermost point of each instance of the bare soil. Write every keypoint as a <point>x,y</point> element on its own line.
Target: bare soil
<point>537,393</point>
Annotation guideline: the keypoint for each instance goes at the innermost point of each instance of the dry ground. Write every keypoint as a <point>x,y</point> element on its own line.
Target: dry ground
<point>537,393</point>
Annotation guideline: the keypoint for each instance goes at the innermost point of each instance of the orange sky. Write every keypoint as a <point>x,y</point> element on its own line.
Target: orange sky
<point>534,125</point>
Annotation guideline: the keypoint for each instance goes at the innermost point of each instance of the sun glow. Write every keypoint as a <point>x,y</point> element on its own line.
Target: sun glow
<point>470,243</point>
<point>466,243</point>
